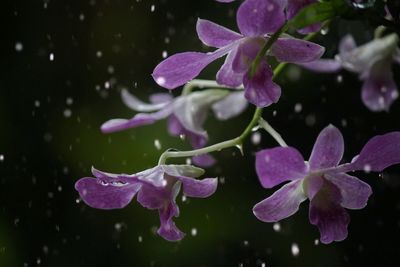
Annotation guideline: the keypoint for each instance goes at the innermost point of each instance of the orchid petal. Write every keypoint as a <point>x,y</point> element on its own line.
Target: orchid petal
<point>198,188</point>
<point>227,74</point>
<point>280,164</point>
<point>212,34</point>
<point>355,193</point>
<point>328,149</point>
<point>260,90</point>
<point>191,110</point>
<point>259,17</point>
<point>101,194</point>
<point>205,160</point>
<point>232,105</point>
<point>312,184</point>
<point>168,229</point>
<point>363,58</point>
<point>346,44</point>
<point>183,67</point>
<point>328,215</point>
<point>137,105</point>
<point>140,119</point>
<point>152,197</point>
<point>296,51</point>
<point>379,153</point>
<point>323,65</point>
<point>161,98</point>
<point>379,91</point>
<point>282,204</point>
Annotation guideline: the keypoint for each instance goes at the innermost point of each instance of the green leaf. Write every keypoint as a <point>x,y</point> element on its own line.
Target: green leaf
<point>318,12</point>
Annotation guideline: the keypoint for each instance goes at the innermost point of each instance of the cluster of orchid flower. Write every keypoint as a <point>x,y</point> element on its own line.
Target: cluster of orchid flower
<point>246,77</point>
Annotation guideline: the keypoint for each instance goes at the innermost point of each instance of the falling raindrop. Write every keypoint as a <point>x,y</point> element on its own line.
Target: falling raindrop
<point>19,47</point>
<point>193,231</point>
<point>295,250</point>
<point>69,101</point>
<point>276,227</point>
<point>256,138</point>
<point>367,168</point>
<point>67,113</point>
<point>157,144</point>
<point>298,108</point>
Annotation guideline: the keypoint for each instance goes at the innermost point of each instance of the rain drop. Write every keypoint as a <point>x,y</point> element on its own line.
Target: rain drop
<point>193,231</point>
<point>276,227</point>
<point>256,138</point>
<point>67,113</point>
<point>19,47</point>
<point>298,108</point>
<point>295,250</point>
<point>367,168</point>
<point>157,144</point>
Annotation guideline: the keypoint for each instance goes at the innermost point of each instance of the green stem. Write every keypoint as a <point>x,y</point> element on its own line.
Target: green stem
<point>267,127</point>
<point>261,54</point>
<point>237,141</point>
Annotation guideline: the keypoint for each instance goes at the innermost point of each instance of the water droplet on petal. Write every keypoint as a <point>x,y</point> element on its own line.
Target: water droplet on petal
<point>367,168</point>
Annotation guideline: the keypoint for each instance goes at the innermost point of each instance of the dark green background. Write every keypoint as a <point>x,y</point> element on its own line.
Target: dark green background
<point>45,152</point>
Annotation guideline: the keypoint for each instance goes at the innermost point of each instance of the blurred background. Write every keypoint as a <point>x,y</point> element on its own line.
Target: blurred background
<point>63,66</point>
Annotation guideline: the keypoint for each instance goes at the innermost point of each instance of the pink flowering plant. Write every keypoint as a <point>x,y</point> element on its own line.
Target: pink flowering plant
<point>270,31</point>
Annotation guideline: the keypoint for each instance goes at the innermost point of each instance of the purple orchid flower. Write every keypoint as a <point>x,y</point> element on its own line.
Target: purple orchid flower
<point>373,62</point>
<point>156,189</point>
<point>256,20</point>
<point>321,180</point>
<point>292,8</point>
<point>186,115</point>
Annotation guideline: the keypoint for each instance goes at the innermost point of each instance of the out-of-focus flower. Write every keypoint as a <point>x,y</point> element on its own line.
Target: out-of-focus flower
<point>322,180</point>
<point>156,189</point>
<point>186,114</point>
<point>373,62</point>
<point>256,20</point>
